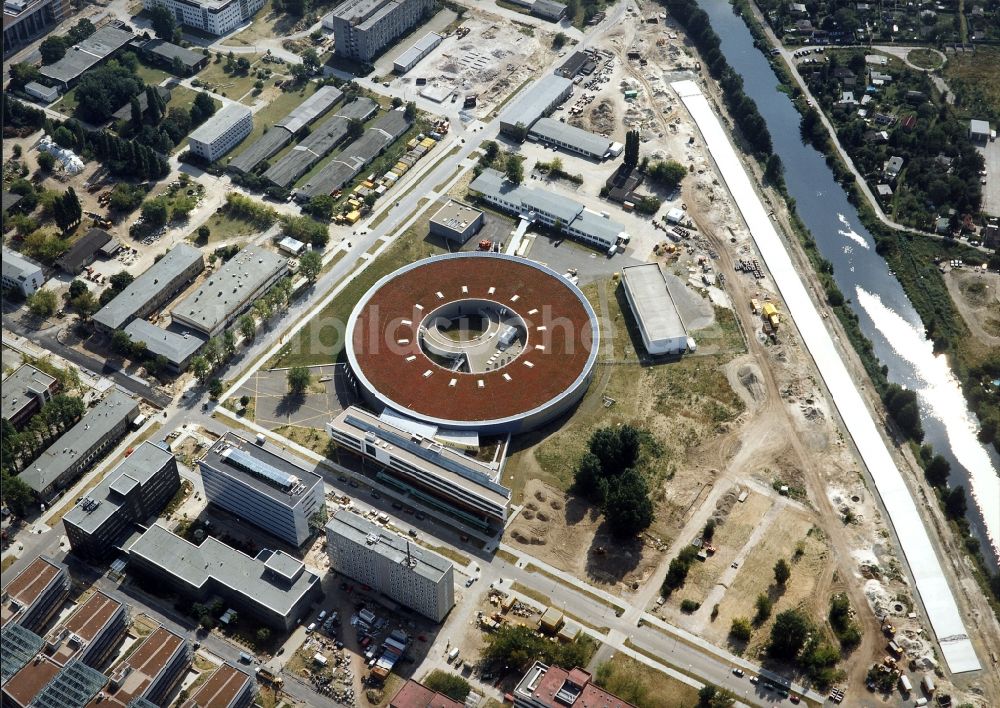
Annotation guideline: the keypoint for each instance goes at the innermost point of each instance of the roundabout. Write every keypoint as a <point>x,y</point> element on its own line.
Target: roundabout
<point>473,341</point>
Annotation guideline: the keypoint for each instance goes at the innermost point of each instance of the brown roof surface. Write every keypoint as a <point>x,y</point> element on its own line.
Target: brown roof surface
<point>147,661</point>
<point>26,683</point>
<point>590,697</point>
<point>542,299</point>
<point>220,689</point>
<point>416,695</point>
<point>29,584</point>
<point>91,617</point>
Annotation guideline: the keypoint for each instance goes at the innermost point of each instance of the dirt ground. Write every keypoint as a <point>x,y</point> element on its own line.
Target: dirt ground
<point>976,294</point>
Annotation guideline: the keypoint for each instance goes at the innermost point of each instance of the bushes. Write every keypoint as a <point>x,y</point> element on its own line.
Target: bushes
<point>689,606</point>
<point>451,685</point>
<point>741,629</point>
<point>678,570</point>
<point>902,406</point>
<point>840,620</point>
<point>305,229</point>
<point>249,210</point>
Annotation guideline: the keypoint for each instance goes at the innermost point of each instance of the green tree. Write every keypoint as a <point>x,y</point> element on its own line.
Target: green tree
<point>589,481</point>
<point>321,206</point>
<point>410,112</point>
<point>155,212</point>
<point>627,508</point>
<point>121,342</point>
<point>788,634</point>
<point>17,495</point>
<point>741,629</point>
<point>46,161</point>
<point>763,605</point>
<point>163,22</point>
<point>298,379</point>
<point>244,401</point>
<point>710,696</point>
<point>310,265</point>
<point>229,342</point>
<point>559,41</point>
<point>782,572</point>
<point>668,173</point>
<point>203,233</point>
<point>311,59</point>
<point>937,471</point>
<point>200,368</point>
<point>136,113</point>
<point>519,133</point>
<point>248,327</point>
<point>263,634</point>
<point>43,303</point>
<point>53,48</point>
<point>451,685</point>
<point>709,531</point>
<point>955,503</point>
<point>20,75</point>
<point>215,389</point>
<point>617,448</point>
<point>773,170</point>
<point>631,156</point>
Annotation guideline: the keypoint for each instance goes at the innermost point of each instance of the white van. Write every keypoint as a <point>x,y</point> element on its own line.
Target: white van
<point>311,628</point>
<point>453,654</point>
<point>322,616</point>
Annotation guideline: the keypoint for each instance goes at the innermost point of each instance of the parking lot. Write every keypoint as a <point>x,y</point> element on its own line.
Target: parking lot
<point>991,190</point>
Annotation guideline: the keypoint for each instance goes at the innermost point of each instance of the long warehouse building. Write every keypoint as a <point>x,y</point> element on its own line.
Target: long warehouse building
<point>534,102</point>
<point>320,143</point>
<point>156,286</point>
<point>356,156</point>
<point>285,130</point>
<point>659,321</point>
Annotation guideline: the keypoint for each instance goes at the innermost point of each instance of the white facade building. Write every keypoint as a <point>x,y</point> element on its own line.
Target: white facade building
<point>222,132</point>
<point>396,567</point>
<point>659,321</point>
<point>21,273</point>
<point>216,17</point>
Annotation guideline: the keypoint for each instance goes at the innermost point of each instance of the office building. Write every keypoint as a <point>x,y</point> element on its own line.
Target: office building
<point>655,312</point>
<point>437,476</point>
<point>554,687</point>
<point>104,44</point>
<point>362,29</point>
<point>24,393</point>
<point>228,687</point>
<point>456,221</point>
<point>177,348</point>
<point>417,695</point>
<point>534,102</point>
<point>391,564</point>
<point>99,429</point>
<point>318,144</point>
<point>553,210</point>
<point>272,588</point>
<point>26,20</point>
<point>151,672</point>
<point>573,139</point>
<point>133,491</point>
<point>222,132</point>
<point>285,130</point>
<point>412,56</point>
<point>35,595</point>
<point>157,285</point>
<point>20,272</point>
<point>18,646</point>
<point>230,291</point>
<point>217,17</point>
<point>263,488</point>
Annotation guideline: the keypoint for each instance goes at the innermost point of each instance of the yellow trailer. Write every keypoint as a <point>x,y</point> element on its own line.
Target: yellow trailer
<point>353,216</point>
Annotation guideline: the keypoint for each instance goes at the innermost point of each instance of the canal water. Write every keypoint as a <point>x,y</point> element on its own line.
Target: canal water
<point>886,315</point>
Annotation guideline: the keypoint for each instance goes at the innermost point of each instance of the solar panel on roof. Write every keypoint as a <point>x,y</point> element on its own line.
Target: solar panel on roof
<point>74,686</point>
<point>251,464</point>
<point>17,646</point>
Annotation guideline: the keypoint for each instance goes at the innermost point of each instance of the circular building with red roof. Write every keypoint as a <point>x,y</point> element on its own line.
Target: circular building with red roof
<point>474,341</point>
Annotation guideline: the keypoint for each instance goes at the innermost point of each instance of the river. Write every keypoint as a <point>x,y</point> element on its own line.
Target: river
<point>886,315</point>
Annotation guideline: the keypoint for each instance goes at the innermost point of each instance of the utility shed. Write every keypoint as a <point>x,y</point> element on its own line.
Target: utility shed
<point>654,310</point>
<point>456,221</point>
<point>412,56</point>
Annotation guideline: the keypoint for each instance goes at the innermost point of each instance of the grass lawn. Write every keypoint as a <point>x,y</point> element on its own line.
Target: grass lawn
<point>67,104</point>
<point>266,24</point>
<point>151,75</point>
<point>276,110</point>
<point>924,58</point>
<point>976,82</point>
<point>642,686</point>
<point>181,97</point>
<point>232,86</point>
<point>319,341</point>
<point>223,227</point>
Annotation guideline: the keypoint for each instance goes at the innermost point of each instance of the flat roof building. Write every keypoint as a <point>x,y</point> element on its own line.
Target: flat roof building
<point>228,687</point>
<point>551,209</point>
<point>548,10</point>
<point>417,695</point>
<point>18,646</point>
<point>156,286</point>
<point>655,312</point>
<point>229,291</point>
<point>263,488</point>
<point>176,348</point>
<point>356,156</point>
<point>96,49</point>
<point>172,56</point>
<point>536,101</point>
<point>435,475</point>
<point>24,393</point>
<point>150,672</point>
<point>554,687</point>
<point>393,565</point>
<point>76,684</point>
<point>139,487</point>
<point>45,94</point>
<point>82,253</point>
<point>90,634</point>
<point>25,20</point>
<point>99,429</point>
<point>273,588</point>
<point>573,139</point>
<point>217,17</point>
<point>979,130</point>
<point>456,221</point>
<point>362,29</point>
<point>222,132</point>
<point>412,56</point>
<point>35,595</point>
<point>21,273</point>
<point>271,142</point>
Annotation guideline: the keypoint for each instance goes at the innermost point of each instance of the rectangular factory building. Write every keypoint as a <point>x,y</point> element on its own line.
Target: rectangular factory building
<point>230,291</point>
<point>222,132</point>
<point>391,564</point>
<point>434,475</point>
<point>272,588</point>
<point>151,290</point>
<point>263,488</point>
<point>102,45</point>
<point>412,56</point>
<point>228,687</point>
<point>139,487</point>
<point>573,139</point>
<point>654,310</point>
<point>77,448</point>
<point>151,672</point>
<point>534,102</point>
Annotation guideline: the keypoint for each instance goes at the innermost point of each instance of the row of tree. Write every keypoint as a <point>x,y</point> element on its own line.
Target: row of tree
<point>52,420</point>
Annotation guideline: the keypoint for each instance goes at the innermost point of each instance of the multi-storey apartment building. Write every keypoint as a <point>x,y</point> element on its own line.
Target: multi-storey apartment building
<point>363,28</point>
<point>216,17</point>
